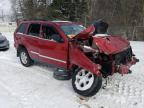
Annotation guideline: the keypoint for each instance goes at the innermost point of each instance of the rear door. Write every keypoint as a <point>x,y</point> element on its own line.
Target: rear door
<point>53,51</point>
<point>19,34</point>
<point>32,40</point>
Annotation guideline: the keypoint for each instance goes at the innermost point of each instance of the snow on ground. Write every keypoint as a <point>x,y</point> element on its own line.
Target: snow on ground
<point>35,87</point>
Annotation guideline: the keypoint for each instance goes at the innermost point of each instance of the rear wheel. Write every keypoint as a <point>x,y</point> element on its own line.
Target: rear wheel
<point>86,83</point>
<point>25,58</point>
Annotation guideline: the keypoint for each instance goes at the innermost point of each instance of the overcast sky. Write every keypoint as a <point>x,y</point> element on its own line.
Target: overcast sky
<point>5,5</point>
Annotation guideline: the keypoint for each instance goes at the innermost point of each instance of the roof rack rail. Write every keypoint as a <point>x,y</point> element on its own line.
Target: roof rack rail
<point>60,21</point>
<point>35,19</point>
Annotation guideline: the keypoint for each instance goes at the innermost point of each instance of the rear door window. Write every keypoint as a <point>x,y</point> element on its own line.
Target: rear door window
<point>22,28</point>
<point>34,30</point>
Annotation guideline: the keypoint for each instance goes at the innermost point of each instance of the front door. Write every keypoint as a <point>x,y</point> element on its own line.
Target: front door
<point>53,51</point>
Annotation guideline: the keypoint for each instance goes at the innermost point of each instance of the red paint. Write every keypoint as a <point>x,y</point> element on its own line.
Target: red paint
<point>111,44</point>
<point>86,33</point>
<point>70,53</point>
<point>78,58</point>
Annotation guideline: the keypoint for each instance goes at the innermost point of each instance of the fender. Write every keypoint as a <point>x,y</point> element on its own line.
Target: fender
<point>77,57</point>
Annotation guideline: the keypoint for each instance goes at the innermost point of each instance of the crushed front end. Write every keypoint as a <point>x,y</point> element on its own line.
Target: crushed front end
<point>119,60</point>
<point>112,53</point>
<point>124,60</point>
<point>95,54</point>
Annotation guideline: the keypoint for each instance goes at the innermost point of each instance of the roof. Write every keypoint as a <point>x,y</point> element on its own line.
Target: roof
<point>52,22</point>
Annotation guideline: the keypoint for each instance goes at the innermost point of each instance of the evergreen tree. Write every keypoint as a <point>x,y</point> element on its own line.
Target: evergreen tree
<point>73,10</point>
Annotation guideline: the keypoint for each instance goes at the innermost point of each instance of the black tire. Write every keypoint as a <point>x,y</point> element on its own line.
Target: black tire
<point>92,90</point>
<point>29,61</point>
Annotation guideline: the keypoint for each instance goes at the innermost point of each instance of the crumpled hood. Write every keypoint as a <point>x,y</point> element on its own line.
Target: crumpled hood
<point>85,34</point>
<point>111,44</point>
<point>107,43</point>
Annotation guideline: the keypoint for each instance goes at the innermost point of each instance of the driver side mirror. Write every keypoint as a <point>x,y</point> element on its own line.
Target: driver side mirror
<point>57,38</point>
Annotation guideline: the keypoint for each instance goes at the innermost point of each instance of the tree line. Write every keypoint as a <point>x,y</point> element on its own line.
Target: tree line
<point>125,17</point>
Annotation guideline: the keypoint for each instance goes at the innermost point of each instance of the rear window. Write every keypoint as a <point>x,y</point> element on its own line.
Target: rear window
<point>34,29</point>
<point>22,28</point>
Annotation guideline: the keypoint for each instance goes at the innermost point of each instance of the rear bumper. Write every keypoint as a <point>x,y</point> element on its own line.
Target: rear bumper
<point>124,69</point>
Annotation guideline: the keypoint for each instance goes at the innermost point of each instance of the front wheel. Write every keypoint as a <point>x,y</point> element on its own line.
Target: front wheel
<point>86,83</point>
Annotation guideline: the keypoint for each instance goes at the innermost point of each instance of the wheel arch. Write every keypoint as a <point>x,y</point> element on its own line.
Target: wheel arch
<point>18,49</point>
<point>78,59</point>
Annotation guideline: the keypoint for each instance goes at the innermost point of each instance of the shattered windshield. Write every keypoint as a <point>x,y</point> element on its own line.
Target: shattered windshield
<point>72,30</point>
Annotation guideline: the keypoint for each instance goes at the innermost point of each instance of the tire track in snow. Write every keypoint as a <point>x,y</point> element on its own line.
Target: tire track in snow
<point>122,91</point>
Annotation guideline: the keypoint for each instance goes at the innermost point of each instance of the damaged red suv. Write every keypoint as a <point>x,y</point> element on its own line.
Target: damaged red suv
<point>85,55</point>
